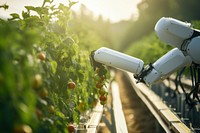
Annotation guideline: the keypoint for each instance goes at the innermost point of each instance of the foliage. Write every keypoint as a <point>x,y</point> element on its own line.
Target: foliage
<point>94,33</point>
<point>39,57</point>
<point>196,24</point>
<point>117,31</point>
<point>149,48</point>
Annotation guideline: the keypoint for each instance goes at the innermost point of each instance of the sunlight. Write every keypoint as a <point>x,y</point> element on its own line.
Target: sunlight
<point>114,10</point>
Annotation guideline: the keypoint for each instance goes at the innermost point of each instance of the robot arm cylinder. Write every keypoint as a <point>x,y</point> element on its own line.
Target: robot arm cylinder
<point>119,60</point>
<point>166,65</point>
<point>159,70</point>
<point>173,31</point>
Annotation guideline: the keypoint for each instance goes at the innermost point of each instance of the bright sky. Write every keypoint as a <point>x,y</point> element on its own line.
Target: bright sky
<point>115,10</point>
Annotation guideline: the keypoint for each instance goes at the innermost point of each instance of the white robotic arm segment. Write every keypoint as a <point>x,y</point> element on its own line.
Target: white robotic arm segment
<point>119,60</point>
<point>159,70</point>
<point>166,65</point>
<point>173,31</point>
<point>193,49</point>
<point>180,35</point>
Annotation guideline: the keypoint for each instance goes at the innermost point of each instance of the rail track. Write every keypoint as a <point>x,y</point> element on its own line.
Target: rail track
<point>169,111</point>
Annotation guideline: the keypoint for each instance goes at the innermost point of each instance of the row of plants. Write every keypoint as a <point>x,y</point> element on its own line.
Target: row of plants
<point>46,81</point>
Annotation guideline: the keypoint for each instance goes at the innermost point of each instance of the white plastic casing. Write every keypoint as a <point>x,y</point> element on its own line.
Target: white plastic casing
<point>173,31</point>
<point>193,49</point>
<point>119,60</point>
<point>166,65</point>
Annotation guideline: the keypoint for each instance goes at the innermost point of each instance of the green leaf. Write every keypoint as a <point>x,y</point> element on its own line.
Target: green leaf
<point>14,16</point>
<point>4,6</point>
<point>25,14</point>
<point>41,10</point>
<point>29,8</point>
<point>53,66</point>
<point>72,3</point>
<point>60,114</point>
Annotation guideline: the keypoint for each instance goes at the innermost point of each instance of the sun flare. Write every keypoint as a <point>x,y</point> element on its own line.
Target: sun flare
<point>114,10</point>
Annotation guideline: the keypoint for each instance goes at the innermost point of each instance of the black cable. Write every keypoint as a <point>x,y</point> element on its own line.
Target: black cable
<point>197,83</point>
<point>192,77</point>
<point>179,80</point>
<point>193,80</point>
<point>176,83</point>
<point>193,97</point>
<point>190,101</point>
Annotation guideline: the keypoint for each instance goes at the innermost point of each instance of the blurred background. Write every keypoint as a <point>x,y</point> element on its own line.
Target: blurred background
<point>123,25</point>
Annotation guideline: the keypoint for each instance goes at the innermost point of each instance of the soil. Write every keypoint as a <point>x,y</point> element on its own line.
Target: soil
<point>138,118</point>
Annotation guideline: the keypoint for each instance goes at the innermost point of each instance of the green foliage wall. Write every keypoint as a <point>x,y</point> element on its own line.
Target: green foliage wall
<point>149,48</point>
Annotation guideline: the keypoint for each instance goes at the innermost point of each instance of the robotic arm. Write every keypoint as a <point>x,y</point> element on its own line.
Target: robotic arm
<point>172,31</point>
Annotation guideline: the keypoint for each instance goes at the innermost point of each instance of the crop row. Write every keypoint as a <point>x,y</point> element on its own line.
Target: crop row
<point>46,81</point>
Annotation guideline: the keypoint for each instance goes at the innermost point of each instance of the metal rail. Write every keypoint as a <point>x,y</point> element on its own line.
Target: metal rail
<point>117,122</point>
<point>176,99</point>
<point>91,126</point>
<point>165,115</point>
<point>120,122</point>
